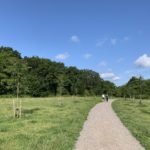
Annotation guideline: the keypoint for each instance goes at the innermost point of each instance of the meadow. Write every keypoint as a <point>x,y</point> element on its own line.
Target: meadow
<point>46,123</point>
<point>136,118</point>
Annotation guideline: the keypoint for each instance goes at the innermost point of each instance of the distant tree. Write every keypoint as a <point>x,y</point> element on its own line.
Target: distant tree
<point>109,88</point>
<point>136,87</point>
<point>12,69</point>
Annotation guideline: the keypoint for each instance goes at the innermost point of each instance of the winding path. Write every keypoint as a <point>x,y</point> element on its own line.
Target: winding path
<point>104,131</point>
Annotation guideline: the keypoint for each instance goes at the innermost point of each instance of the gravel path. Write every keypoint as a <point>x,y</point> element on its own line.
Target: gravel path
<point>104,131</point>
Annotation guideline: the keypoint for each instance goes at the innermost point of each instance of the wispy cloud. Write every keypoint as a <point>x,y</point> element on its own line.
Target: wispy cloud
<point>143,61</point>
<point>113,41</point>
<point>109,76</point>
<point>126,38</point>
<point>87,56</point>
<point>137,72</point>
<point>131,72</point>
<point>62,56</point>
<point>120,60</point>
<point>102,64</point>
<point>128,71</point>
<point>75,39</point>
<point>100,43</point>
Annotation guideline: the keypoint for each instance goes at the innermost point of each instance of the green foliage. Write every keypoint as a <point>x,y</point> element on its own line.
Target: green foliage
<point>109,88</point>
<point>11,70</point>
<point>136,118</point>
<point>47,123</point>
<point>136,87</point>
<point>39,77</point>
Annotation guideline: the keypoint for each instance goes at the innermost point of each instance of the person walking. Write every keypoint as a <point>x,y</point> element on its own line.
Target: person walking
<point>107,98</point>
<point>103,97</point>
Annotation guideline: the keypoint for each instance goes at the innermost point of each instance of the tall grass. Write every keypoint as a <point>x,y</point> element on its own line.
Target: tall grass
<point>46,123</point>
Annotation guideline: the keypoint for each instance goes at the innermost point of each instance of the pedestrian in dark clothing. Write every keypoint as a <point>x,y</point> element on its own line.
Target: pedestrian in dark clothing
<point>107,98</point>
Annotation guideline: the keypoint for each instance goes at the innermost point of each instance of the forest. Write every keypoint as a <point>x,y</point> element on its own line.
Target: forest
<point>40,77</point>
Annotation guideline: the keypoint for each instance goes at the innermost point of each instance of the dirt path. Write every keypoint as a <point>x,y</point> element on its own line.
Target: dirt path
<point>104,131</point>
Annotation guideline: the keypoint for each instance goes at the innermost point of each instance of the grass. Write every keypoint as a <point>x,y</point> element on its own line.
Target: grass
<point>136,118</point>
<point>46,123</point>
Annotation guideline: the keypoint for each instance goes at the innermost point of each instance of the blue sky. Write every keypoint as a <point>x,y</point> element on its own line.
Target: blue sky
<point>111,37</point>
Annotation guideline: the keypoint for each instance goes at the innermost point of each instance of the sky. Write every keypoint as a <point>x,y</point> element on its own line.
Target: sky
<point>111,37</point>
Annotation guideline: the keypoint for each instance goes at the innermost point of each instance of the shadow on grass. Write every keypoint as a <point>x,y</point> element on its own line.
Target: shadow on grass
<point>30,111</point>
<point>145,111</point>
<point>76,101</point>
<point>4,129</point>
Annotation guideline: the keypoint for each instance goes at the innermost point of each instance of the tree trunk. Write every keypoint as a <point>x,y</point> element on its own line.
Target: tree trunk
<point>14,109</point>
<point>19,101</point>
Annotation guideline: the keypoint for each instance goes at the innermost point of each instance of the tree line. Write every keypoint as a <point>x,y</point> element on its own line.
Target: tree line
<point>136,87</point>
<point>38,77</point>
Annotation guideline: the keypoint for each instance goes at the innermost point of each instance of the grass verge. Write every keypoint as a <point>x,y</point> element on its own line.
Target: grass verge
<point>136,118</point>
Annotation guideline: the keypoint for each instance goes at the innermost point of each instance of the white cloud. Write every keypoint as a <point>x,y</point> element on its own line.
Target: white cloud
<point>143,61</point>
<point>62,56</point>
<point>87,56</point>
<point>102,64</point>
<point>109,76</point>
<point>100,43</point>
<point>116,78</point>
<point>75,39</point>
<point>113,41</point>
